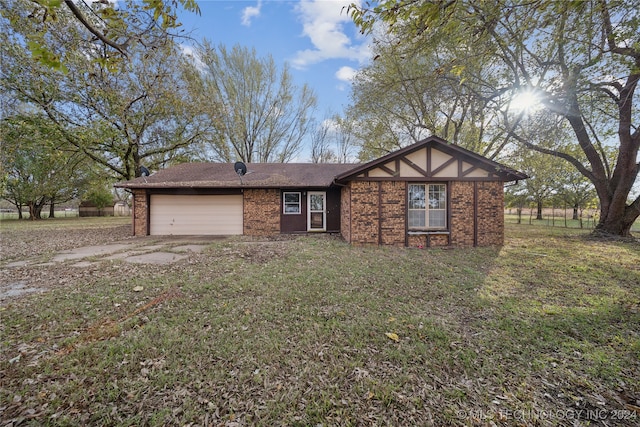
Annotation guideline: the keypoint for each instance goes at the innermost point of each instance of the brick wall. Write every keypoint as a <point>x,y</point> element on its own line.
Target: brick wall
<point>489,218</point>
<point>462,208</point>
<point>490,213</point>
<point>139,213</point>
<point>377,212</point>
<point>392,219</point>
<point>364,212</point>
<point>345,213</point>
<point>261,212</point>
<point>428,241</point>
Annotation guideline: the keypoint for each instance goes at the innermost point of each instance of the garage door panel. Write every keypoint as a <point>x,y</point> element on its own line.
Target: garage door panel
<point>193,215</point>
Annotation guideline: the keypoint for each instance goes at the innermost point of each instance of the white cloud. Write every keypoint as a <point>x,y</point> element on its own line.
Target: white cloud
<point>346,74</point>
<point>324,22</point>
<point>190,52</point>
<point>250,12</point>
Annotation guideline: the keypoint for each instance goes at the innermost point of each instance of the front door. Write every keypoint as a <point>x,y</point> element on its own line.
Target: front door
<point>317,211</point>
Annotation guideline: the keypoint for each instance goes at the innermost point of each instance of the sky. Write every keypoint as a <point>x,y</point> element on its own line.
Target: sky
<point>316,38</point>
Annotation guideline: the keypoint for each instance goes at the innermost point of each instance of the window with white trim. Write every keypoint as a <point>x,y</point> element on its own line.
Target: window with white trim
<point>427,206</point>
<point>291,203</point>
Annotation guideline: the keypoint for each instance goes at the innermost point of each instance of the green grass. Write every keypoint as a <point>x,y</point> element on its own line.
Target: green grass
<point>62,222</point>
<point>294,333</point>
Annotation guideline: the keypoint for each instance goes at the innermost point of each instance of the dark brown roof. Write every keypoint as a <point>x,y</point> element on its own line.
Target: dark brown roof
<point>504,172</point>
<point>259,175</point>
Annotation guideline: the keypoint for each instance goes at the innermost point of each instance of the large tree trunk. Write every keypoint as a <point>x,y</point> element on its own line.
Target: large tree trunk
<point>52,210</point>
<point>575,212</point>
<point>539,211</point>
<point>617,220</point>
<point>616,217</point>
<point>35,209</point>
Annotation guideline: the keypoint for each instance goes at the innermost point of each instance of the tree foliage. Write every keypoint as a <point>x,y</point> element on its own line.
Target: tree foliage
<point>580,59</point>
<point>137,114</point>
<point>396,93</point>
<point>39,170</point>
<point>114,27</point>
<point>257,112</point>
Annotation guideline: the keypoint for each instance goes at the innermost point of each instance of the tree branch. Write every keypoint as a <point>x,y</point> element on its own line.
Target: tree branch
<point>78,14</point>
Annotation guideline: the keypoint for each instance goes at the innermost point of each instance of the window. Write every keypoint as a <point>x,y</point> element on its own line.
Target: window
<point>427,206</point>
<point>291,203</point>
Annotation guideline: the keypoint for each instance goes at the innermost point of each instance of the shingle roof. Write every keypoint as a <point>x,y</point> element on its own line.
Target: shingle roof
<point>259,175</point>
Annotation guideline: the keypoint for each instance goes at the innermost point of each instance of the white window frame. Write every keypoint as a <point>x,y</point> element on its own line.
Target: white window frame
<point>427,209</point>
<point>285,203</point>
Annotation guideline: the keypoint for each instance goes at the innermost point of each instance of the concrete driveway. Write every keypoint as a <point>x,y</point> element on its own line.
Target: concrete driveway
<point>146,250</point>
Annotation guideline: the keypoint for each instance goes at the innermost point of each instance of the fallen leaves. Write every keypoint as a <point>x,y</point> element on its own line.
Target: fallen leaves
<point>108,328</point>
<point>393,336</point>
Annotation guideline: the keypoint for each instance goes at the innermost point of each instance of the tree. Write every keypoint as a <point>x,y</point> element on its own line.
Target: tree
<point>139,114</point>
<point>581,60</point>
<point>114,26</point>
<point>577,191</point>
<point>321,151</point>
<point>544,177</point>
<point>396,98</point>
<point>39,169</point>
<point>258,113</point>
<point>100,195</point>
<point>345,137</point>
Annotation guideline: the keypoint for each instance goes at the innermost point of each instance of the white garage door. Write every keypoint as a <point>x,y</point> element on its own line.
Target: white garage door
<point>192,215</point>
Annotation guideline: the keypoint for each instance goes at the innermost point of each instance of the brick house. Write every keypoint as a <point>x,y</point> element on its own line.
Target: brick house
<point>431,193</point>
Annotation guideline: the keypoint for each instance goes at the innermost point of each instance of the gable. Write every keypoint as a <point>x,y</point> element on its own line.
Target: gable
<point>428,162</point>
<point>432,159</point>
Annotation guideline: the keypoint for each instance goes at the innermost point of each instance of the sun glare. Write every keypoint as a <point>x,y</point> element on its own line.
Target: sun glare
<point>525,101</point>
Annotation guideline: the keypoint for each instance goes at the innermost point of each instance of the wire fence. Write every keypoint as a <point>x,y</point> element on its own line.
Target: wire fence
<point>557,217</point>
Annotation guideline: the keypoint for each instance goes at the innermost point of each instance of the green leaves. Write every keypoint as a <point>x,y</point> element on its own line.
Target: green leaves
<point>98,23</point>
<point>45,56</point>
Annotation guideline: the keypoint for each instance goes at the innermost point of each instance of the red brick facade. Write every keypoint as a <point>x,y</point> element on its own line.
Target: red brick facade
<point>345,213</point>
<point>261,212</point>
<point>462,205</point>
<point>393,202</point>
<point>364,212</point>
<point>490,213</point>
<point>140,212</point>
<point>374,212</point>
<point>377,212</point>
<point>377,215</point>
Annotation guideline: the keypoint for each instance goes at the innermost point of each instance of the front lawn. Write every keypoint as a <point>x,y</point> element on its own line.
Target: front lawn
<point>311,331</point>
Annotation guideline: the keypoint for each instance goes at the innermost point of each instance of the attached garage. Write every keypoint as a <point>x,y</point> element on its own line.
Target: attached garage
<point>172,214</point>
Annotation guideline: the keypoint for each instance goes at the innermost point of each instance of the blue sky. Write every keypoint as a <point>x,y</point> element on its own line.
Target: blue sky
<point>315,37</point>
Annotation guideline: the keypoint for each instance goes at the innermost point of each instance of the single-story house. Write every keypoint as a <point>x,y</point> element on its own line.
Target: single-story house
<point>431,193</point>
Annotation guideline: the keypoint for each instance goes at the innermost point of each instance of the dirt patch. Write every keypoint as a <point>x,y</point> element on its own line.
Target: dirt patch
<point>17,289</point>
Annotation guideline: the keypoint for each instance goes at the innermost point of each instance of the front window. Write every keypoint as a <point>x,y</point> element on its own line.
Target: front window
<point>291,203</point>
<point>427,206</point>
